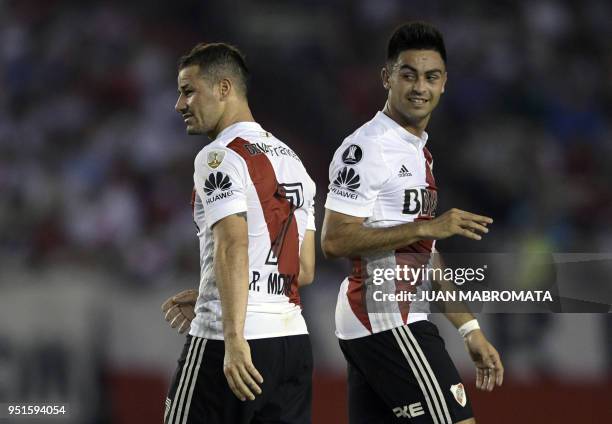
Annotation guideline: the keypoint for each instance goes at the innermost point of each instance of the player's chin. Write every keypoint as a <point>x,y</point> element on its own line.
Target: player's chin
<point>193,130</point>
<point>419,111</point>
<point>417,114</point>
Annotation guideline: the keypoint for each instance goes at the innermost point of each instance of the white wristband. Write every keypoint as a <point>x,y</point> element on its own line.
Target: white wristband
<point>468,327</point>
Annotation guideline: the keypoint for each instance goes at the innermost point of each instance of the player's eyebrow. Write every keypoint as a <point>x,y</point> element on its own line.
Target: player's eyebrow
<point>429,71</point>
<point>184,87</point>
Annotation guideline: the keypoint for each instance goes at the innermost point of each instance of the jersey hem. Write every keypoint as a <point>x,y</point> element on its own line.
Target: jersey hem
<point>255,337</point>
<point>362,335</point>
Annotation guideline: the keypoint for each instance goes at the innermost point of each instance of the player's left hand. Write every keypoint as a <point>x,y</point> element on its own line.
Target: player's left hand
<point>489,368</point>
<point>242,376</point>
<point>179,309</point>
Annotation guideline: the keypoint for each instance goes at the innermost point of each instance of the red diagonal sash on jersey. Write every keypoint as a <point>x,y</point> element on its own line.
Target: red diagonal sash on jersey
<point>277,211</point>
<point>416,254</point>
<point>356,293</point>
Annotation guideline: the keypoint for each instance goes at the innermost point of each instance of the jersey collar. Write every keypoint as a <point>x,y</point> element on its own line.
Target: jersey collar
<point>400,131</point>
<point>238,128</point>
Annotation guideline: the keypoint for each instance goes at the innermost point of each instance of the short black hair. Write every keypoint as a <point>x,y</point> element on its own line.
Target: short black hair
<point>216,61</point>
<point>415,36</point>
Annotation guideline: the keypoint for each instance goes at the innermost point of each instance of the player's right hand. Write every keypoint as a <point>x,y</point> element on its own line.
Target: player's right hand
<point>455,222</point>
<point>179,309</point>
<point>489,367</point>
<point>241,374</point>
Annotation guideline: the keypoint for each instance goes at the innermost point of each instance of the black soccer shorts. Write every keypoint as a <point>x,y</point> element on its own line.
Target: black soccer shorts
<point>200,394</point>
<point>403,375</point>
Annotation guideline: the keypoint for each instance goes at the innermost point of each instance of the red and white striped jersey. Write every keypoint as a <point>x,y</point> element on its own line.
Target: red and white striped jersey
<point>382,173</point>
<point>246,169</point>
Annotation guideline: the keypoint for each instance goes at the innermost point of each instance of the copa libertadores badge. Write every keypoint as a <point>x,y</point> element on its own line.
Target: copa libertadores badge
<point>352,154</point>
<point>214,158</point>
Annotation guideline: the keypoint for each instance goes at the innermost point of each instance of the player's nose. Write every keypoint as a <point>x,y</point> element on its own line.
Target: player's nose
<point>419,86</point>
<point>180,105</point>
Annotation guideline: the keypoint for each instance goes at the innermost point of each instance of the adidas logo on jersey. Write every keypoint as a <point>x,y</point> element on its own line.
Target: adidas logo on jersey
<point>347,179</point>
<point>403,172</point>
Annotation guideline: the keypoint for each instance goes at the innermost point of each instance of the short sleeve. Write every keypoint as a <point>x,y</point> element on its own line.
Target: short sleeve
<point>221,179</point>
<point>310,225</point>
<point>356,174</point>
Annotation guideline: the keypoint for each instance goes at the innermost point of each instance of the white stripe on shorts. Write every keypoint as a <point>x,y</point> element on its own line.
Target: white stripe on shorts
<point>193,382</point>
<point>434,414</point>
<point>186,369</point>
<point>406,330</point>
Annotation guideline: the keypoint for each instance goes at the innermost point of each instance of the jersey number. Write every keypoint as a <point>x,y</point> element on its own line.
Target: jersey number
<point>294,194</point>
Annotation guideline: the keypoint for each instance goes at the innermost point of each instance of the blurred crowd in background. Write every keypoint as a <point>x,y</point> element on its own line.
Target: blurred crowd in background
<point>95,164</point>
<point>96,167</point>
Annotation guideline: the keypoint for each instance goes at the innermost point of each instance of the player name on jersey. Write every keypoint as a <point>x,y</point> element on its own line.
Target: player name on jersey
<point>262,148</point>
<point>277,283</point>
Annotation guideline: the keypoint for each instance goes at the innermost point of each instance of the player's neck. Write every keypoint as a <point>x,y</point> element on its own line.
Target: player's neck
<point>240,113</point>
<point>416,128</point>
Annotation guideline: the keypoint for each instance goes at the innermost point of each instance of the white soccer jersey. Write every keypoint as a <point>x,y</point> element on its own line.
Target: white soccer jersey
<point>382,173</point>
<point>246,169</point>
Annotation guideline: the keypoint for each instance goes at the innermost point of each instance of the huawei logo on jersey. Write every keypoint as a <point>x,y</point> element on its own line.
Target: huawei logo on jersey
<point>215,181</point>
<point>347,179</point>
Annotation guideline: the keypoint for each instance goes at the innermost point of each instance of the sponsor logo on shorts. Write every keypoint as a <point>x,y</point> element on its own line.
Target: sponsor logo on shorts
<point>409,411</point>
<point>459,392</point>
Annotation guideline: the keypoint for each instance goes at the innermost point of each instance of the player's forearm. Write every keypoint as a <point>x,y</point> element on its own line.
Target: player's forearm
<point>458,313</point>
<point>459,318</point>
<point>353,239</point>
<point>231,272</point>
<point>307,259</point>
<point>305,278</point>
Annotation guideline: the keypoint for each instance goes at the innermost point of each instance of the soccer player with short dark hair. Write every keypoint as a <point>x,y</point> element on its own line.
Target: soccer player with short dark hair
<point>247,358</point>
<point>381,213</point>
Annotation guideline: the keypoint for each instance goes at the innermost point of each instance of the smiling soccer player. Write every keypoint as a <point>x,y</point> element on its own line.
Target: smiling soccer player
<point>381,213</point>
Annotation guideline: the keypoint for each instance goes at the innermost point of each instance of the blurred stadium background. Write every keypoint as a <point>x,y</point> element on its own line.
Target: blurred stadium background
<point>96,176</point>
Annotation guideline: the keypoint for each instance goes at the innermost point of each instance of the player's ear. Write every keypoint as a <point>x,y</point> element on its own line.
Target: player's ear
<point>444,77</point>
<point>225,87</point>
<point>384,76</point>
